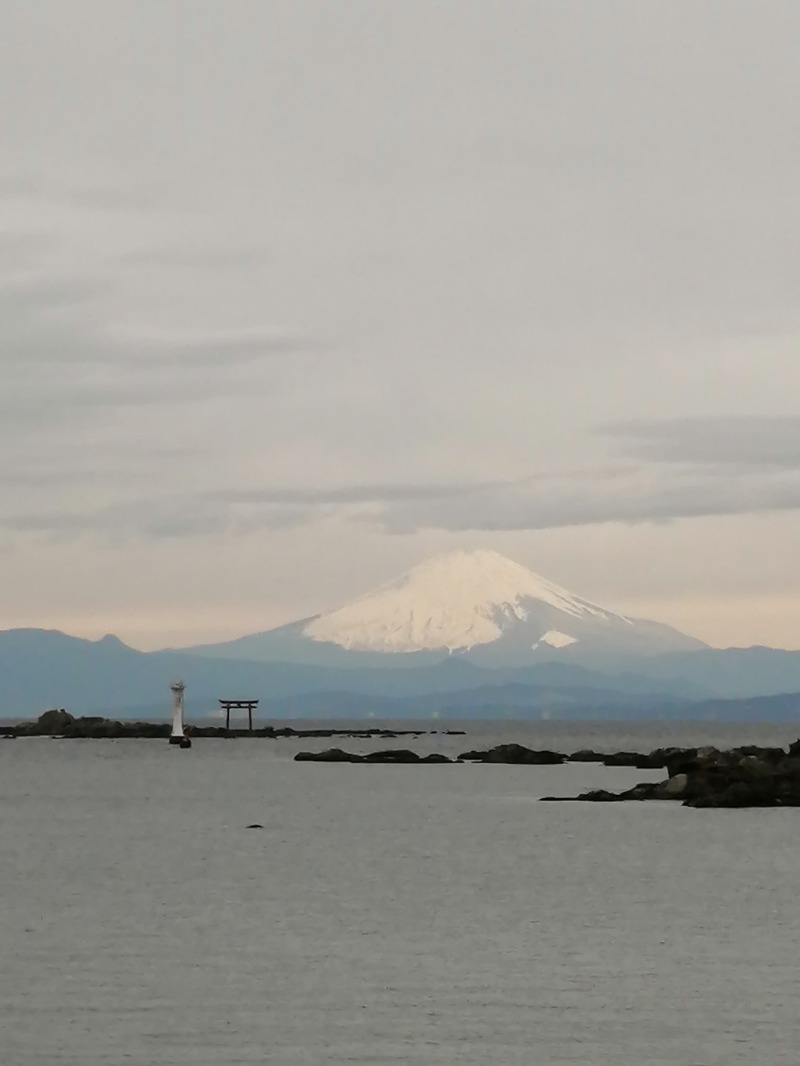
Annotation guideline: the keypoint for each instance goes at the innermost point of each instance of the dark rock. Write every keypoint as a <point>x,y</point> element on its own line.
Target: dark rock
<point>393,755</point>
<point>585,755</point>
<point>780,789</point>
<point>707,777</point>
<point>329,755</point>
<point>774,756</point>
<point>623,758</point>
<point>699,760</point>
<point>514,753</point>
<point>53,723</point>
<point>646,791</point>
<point>682,762</point>
<point>360,734</point>
<point>654,760</point>
<point>254,825</point>
<point>599,795</point>
<point>111,729</point>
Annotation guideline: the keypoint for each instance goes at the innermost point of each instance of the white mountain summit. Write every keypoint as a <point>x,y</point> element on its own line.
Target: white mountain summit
<point>477,605</point>
<point>455,602</point>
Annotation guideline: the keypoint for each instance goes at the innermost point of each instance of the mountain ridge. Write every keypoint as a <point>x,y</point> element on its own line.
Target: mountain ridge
<point>41,669</point>
<point>476,631</point>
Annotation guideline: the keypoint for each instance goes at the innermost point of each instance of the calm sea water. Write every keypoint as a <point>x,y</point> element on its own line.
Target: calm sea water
<point>387,914</point>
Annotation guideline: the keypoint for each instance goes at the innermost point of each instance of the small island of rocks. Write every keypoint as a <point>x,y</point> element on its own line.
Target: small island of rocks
<point>698,777</point>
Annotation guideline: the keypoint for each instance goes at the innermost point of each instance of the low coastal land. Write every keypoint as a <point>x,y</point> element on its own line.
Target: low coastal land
<point>750,776</point>
<point>60,723</point>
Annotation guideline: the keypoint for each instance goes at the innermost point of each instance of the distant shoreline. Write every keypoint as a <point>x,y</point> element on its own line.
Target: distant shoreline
<point>61,724</point>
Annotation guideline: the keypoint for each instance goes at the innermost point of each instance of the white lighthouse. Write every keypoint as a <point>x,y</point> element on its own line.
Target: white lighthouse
<point>177,736</point>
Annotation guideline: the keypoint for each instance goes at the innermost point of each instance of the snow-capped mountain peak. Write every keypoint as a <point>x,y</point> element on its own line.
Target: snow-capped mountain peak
<point>458,601</point>
<point>478,605</point>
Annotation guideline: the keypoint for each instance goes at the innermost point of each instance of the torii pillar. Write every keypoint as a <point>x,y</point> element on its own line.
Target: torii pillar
<point>178,736</point>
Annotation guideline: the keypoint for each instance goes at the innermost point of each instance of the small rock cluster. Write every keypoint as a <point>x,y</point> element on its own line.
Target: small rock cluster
<point>707,777</point>
<point>514,753</point>
<point>394,755</point>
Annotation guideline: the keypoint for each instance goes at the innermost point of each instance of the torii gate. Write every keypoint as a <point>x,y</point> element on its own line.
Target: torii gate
<point>238,705</point>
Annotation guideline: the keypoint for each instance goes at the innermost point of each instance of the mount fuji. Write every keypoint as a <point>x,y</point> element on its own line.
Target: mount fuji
<point>488,639</point>
<point>475,605</point>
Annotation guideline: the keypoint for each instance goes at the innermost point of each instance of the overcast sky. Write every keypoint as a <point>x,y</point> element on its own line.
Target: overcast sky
<point>294,294</point>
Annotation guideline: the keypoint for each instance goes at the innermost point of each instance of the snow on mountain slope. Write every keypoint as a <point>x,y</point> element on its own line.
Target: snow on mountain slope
<point>471,606</point>
<point>458,601</point>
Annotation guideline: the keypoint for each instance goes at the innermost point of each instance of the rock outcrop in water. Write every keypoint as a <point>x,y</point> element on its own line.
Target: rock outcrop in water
<point>514,753</point>
<point>503,753</point>
<point>60,723</point>
<point>394,755</point>
<point>707,777</point>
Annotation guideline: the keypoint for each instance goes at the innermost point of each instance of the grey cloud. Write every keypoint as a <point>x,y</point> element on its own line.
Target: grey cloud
<point>42,295</point>
<point>37,408</point>
<point>156,518</point>
<point>46,471</point>
<point>55,321</point>
<point>223,349</point>
<point>74,446</point>
<point>96,196</point>
<point>347,494</point>
<point>768,441</point>
<point>59,357</point>
<point>23,248</point>
<point>697,471</point>
<point>199,514</point>
<point>674,494</point>
<point>219,257</point>
<point>627,495</point>
<point>15,186</point>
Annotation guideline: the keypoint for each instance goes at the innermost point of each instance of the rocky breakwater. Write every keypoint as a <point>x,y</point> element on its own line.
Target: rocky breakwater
<point>60,723</point>
<point>707,777</point>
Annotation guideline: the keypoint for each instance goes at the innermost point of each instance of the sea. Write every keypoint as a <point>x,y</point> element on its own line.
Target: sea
<point>383,914</point>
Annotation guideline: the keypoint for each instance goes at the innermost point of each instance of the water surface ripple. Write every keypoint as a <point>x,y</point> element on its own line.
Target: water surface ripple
<point>384,914</point>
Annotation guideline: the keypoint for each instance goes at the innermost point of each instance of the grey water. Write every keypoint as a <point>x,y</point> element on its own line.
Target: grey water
<point>387,914</point>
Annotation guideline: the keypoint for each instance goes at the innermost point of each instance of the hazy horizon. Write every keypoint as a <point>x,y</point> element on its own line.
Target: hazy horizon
<point>297,295</point>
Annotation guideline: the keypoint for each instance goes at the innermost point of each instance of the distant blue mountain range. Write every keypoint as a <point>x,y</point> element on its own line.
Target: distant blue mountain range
<point>40,669</point>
